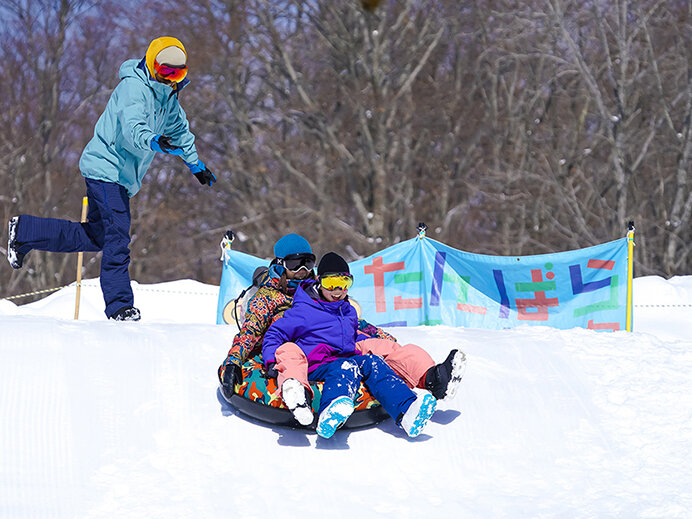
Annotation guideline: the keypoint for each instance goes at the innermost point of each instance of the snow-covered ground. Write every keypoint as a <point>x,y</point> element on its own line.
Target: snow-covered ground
<point>104,419</point>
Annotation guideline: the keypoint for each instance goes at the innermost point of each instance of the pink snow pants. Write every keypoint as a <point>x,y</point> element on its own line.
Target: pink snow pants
<point>410,362</point>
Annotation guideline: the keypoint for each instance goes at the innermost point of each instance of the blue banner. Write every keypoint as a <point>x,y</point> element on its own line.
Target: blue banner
<point>236,276</point>
<point>424,282</point>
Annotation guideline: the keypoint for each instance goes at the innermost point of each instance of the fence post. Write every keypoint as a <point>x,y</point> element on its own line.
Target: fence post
<point>80,259</point>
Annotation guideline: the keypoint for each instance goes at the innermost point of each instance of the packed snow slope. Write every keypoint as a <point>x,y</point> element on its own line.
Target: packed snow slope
<point>101,419</point>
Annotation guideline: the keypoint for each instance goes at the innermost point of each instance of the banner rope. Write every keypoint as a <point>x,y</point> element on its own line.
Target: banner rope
<point>48,290</point>
<point>37,292</point>
<point>661,306</point>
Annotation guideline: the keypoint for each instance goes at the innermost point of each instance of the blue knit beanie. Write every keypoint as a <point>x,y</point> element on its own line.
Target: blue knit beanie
<point>291,244</point>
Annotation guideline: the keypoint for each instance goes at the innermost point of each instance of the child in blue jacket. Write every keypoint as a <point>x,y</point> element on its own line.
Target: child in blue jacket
<point>324,325</point>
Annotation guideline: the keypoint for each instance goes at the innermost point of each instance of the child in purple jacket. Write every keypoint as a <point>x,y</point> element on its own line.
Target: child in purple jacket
<point>324,325</point>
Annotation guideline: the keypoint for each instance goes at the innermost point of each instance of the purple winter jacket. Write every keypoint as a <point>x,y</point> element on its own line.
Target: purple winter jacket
<point>324,330</point>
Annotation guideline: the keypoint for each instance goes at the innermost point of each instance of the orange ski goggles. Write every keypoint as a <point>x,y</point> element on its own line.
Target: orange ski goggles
<point>171,72</point>
<point>336,281</point>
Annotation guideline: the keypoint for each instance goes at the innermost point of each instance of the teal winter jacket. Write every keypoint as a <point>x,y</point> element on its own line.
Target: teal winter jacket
<point>139,109</point>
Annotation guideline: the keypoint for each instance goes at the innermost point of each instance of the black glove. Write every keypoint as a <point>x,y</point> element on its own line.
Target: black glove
<point>163,144</point>
<point>270,370</point>
<point>206,177</point>
<point>232,375</point>
<point>202,173</point>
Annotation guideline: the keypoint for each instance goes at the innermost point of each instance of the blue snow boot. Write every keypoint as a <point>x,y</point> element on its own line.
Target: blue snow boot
<point>334,416</point>
<point>417,415</point>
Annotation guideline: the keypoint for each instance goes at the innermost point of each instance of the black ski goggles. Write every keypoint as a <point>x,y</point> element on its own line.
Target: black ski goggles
<point>295,262</point>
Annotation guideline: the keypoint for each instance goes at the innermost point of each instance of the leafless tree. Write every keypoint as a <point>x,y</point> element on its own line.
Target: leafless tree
<point>508,127</point>
<point>41,103</point>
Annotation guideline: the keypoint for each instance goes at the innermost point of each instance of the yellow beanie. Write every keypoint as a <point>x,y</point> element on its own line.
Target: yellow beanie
<point>157,46</point>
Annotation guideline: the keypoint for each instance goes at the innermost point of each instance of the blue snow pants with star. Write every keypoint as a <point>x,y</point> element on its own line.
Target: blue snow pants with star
<point>107,229</point>
<point>343,377</point>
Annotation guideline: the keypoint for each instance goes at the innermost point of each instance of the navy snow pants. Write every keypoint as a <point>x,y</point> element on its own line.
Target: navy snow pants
<point>107,229</point>
<point>343,377</point>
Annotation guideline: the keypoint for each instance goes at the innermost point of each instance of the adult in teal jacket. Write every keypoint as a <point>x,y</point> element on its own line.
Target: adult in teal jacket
<point>142,117</point>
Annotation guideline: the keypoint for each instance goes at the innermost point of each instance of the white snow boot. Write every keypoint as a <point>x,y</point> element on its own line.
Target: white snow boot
<point>334,416</point>
<point>417,415</point>
<point>295,397</point>
<point>444,379</point>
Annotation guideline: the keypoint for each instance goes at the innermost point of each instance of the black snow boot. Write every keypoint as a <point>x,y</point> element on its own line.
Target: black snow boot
<point>443,379</point>
<point>127,313</point>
